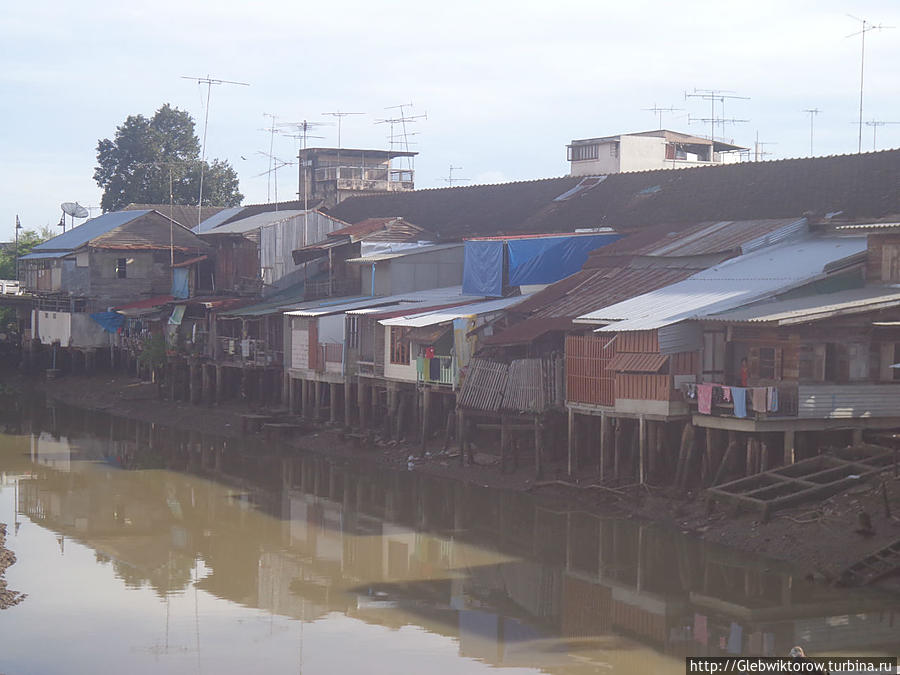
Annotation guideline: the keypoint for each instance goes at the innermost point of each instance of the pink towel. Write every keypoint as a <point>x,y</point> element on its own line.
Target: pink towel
<point>759,399</point>
<point>704,399</point>
<point>726,394</point>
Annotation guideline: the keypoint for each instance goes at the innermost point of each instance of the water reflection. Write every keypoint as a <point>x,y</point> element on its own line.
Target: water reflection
<point>511,581</point>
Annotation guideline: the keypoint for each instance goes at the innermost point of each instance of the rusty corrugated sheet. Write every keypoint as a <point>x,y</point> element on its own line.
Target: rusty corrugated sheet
<point>638,363</point>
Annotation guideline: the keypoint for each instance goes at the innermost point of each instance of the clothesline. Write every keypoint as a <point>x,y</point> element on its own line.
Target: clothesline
<point>742,399</point>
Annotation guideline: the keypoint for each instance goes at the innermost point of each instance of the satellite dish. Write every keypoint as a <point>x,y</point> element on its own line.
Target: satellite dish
<point>74,209</point>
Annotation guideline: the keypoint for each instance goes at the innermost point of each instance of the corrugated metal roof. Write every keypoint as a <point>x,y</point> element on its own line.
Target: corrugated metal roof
<point>44,256</point>
<point>215,220</point>
<point>421,320</point>
<point>254,222</point>
<point>90,229</point>
<point>380,257</point>
<point>637,363</point>
<point>529,330</point>
<point>731,284</point>
<point>814,307</point>
<point>434,296</point>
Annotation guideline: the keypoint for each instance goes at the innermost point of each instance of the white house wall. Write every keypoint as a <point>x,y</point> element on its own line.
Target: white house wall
<point>299,344</point>
<point>641,153</point>
<point>395,371</point>
<point>52,326</point>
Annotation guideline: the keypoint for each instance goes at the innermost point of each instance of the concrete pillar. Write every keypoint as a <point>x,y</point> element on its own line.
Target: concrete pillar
<point>304,398</point>
<point>790,448</point>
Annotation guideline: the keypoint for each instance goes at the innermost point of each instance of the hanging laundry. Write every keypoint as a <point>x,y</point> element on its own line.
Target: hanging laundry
<point>701,634</point>
<point>734,639</point>
<point>759,399</point>
<point>773,399</point>
<point>429,352</point>
<point>704,399</point>
<point>726,394</point>
<point>768,644</point>
<point>739,396</point>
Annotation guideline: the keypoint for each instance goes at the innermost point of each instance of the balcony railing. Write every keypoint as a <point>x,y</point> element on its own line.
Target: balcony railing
<point>759,402</point>
<point>248,351</point>
<point>437,370</point>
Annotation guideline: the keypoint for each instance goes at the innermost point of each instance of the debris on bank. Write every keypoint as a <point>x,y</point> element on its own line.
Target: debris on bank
<point>8,598</point>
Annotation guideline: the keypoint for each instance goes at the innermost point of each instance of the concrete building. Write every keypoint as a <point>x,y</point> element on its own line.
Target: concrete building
<point>647,151</point>
<point>330,175</point>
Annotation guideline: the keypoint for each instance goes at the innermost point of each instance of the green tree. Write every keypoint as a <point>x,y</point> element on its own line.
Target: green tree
<point>28,239</point>
<point>134,167</point>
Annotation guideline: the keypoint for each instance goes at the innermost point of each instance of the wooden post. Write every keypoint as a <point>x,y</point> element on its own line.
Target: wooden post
<point>573,443</point>
<point>317,401</point>
<point>304,398</point>
<point>426,410</point>
<point>194,384</point>
<point>504,441</point>
<point>642,449</point>
<point>348,402</point>
<point>205,392</point>
<point>790,449</point>
<point>332,402</point>
<point>362,388</point>
<point>538,448</point>
<point>857,437</point>
<point>732,448</point>
<point>461,435</point>
<point>220,384</point>
<point>763,456</point>
<point>617,450</point>
<point>604,444</point>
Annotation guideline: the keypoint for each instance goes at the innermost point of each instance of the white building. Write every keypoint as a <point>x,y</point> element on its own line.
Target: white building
<point>647,151</point>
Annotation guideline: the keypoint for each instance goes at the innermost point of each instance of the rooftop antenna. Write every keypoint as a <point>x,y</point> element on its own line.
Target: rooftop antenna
<point>758,148</point>
<point>875,124</point>
<point>713,95</point>
<point>866,27</point>
<point>340,115</point>
<point>404,117</point>
<point>450,180</point>
<point>73,210</point>
<point>812,112</point>
<point>209,82</point>
<point>656,110</point>
<point>275,163</point>
<point>302,129</point>
<point>271,156</point>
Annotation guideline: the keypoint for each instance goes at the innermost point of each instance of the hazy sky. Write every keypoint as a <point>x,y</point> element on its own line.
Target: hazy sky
<point>505,85</point>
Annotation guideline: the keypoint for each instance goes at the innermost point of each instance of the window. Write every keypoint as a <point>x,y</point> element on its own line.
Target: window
<point>399,346</point>
<point>578,153</point>
<point>121,264</point>
<point>767,368</point>
<point>613,149</point>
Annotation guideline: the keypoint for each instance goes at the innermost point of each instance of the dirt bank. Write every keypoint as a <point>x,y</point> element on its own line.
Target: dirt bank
<point>8,598</point>
<point>820,538</point>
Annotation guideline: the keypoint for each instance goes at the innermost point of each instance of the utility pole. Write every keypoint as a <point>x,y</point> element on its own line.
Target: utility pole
<point>866,27</point>
<point>18,227</point>
<point>812,113</point>
<point>209,82</point>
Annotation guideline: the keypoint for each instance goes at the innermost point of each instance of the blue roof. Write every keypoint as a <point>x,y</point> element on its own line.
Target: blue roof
<point>90,229</point>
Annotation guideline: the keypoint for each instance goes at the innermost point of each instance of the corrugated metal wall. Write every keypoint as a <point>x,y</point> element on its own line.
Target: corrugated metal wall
<point>643,387</point>
<point>587,379</point>
<point>638,341</point>
<point>680,337</point>
<point>845,401</point>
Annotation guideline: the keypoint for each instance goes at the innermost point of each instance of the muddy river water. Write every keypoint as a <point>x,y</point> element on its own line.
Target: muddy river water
<point>143,550</point>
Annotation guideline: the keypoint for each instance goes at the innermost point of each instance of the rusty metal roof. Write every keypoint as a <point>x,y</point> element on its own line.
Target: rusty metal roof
<point>637,363</point>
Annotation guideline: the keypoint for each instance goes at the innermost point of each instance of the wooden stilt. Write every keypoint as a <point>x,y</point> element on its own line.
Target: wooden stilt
<point>605,445</point>
<point>790,448</point>
<point>461,435</point>
<point>332,402</point>
<point>426,410</point>
<point>573,443</point>
<point>348,402</point>
<point>362,389</point>
<point>317,400</point>
<point>642,450</point>
<point>538,448</point>
<point>730,451</point>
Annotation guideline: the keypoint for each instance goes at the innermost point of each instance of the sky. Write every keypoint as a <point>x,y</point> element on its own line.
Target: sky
<point>501,87</point>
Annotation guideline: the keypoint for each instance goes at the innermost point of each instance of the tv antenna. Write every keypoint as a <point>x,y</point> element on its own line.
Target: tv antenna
<point>866,27</point>
<point>450,180</point>
<point>875,124</point>
<point>340,115</point>
<point>270,155</point>
<point>275,163</point>
<point>656,110</point>
<point>812,112</point>
<point>302,129</point>
<point>209,82</point>
<point>759,148</point>
<point>73,210</point>
<point>405,117</point>
<point>713,95</point>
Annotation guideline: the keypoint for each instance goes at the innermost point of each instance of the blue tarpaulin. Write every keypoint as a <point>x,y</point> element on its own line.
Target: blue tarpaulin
<point>544,260</point>
<point>483,268</point>
<point>110,321</point>
<point>180,286</point>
